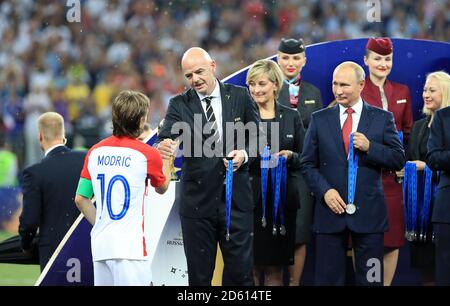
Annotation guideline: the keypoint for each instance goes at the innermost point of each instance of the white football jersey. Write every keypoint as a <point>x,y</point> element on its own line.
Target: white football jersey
<point>118,169</point>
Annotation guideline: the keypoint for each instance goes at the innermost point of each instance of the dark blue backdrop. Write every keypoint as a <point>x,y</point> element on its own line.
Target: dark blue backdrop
<point>413,59</point>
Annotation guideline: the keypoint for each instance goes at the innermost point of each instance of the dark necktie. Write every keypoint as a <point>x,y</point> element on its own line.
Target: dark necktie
<point>347,128</point>
<point>211,118</point>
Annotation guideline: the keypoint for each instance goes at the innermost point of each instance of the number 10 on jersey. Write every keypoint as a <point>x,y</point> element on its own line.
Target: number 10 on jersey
<point>126,186</point>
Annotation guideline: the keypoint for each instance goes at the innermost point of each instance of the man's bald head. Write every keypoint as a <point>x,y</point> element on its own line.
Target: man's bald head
<point>195,54</point>
<point>199,69</point>
<point>51,127</point>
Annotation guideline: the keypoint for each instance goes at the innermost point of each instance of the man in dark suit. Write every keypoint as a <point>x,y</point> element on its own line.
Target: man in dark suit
<point>438,159</point>
<point>325,164</point>
<point>296,93</point>
<point>207,107</point>
<point>48,189</point>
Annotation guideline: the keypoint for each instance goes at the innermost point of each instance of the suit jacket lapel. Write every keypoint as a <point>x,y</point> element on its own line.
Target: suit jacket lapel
<point>195,105</point>
<point>227,107</point>
<point>279,113</point>
<point>336,131</point>
<point>365,119</point>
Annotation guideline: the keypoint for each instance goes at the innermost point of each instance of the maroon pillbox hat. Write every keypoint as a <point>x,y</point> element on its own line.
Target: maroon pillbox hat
<point>382,45</point>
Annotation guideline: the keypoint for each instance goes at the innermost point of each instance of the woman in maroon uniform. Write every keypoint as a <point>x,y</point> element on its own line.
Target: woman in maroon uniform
<point>394,97</point>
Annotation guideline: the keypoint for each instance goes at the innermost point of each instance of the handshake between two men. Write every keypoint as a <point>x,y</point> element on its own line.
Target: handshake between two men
<point>168,149</point>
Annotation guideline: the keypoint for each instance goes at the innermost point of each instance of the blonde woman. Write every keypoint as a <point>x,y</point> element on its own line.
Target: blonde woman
<point>272,251</point>
<point>436,95</point>
<point>437,89</point>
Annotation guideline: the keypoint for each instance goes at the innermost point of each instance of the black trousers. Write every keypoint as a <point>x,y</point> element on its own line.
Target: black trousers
<point>200,238</point>
<point>442,253</point>
<point>331,254</point>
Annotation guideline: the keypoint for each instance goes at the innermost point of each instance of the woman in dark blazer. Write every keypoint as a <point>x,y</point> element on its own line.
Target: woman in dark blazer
<point>438,159</point>
<point>272,252</point>
<point>422,252</point>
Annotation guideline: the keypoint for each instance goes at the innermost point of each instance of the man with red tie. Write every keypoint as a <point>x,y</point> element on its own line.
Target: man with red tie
<point>396,98</point>
<point>350,203</point>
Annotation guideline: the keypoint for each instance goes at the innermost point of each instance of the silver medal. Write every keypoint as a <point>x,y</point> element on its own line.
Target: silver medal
<point>274,230</point>
<point>350,209</point>
<point>263,222</point>
<point>282,230</point>
<point>409,236</point>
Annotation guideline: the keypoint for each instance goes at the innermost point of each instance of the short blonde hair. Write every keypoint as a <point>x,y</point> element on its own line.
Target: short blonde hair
<point>443,79</point>
<point>51,126</point>
<point>269,68</point>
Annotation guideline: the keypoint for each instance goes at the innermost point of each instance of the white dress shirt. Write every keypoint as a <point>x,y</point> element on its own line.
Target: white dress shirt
<point>356,115</point>
<point>216,104</point>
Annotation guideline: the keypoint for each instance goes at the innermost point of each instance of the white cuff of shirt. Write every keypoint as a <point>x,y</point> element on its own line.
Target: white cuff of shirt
<point>245,156</point>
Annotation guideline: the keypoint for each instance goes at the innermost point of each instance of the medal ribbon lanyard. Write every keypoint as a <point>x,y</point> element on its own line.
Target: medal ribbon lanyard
<point>279,193</point>
<point>228,194</point>
<point>264,174</point>
<point>412,191</point>
<point>352,171</point>
<point>400,135</point>
<point>410,200</point>
<point>405,197</point>
<point>426,203</point>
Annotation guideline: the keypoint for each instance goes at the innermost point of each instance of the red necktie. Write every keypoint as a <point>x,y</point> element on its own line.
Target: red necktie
<point>347,128</point>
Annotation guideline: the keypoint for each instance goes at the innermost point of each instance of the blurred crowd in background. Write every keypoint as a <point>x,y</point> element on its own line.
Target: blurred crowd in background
<point>76,68</point>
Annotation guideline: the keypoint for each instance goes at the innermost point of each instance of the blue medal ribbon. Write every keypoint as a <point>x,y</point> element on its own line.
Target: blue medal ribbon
<point>406,176</point>
<point>283,194</point>
<point>276,182</point>
<point>413,187</point>
<point>410,203</point>
<point>279,192</point>
<point>352,171</point>
<point>265,156</point>
<point>400,135</point>
<point>228,193</point>
<point>405,198</point>
<point>426,204</point>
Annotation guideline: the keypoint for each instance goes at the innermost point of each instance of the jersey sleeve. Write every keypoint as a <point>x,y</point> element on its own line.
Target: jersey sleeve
<point>85,188</point>
<point>155,168</point>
